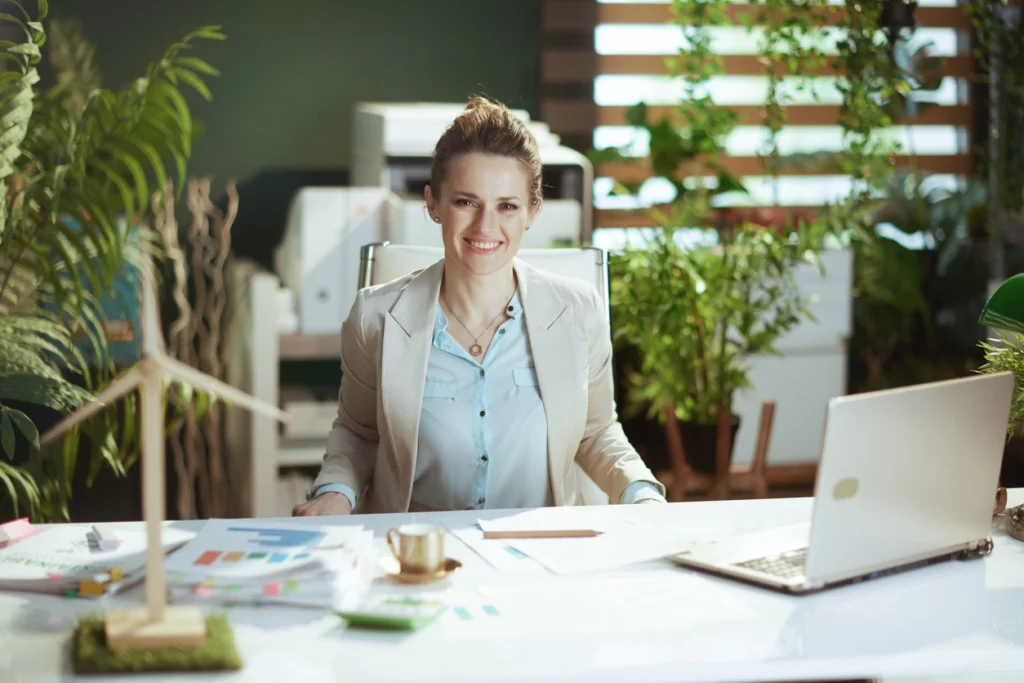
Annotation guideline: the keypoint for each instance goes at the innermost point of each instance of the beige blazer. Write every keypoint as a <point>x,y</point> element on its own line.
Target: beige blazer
<point>385,345</point>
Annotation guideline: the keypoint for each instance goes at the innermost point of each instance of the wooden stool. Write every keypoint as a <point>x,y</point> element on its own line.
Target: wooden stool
<point>683,480</point>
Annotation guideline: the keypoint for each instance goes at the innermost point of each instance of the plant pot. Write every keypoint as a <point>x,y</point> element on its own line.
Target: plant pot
<point>699,444</point>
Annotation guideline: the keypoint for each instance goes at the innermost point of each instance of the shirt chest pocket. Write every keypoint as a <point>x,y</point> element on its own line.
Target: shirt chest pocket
<point>524,377</point>
<point>439,389</point>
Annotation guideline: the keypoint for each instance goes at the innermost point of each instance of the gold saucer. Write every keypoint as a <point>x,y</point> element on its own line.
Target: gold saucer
<point>391,567</point>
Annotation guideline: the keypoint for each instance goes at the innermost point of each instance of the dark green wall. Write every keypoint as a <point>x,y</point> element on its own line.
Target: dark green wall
<point>291,73</point>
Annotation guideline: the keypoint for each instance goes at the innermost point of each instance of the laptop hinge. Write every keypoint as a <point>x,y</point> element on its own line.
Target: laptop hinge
<point>976,549</point>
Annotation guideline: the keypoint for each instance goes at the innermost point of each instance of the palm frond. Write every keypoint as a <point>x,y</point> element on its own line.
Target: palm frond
<point>78,166</point>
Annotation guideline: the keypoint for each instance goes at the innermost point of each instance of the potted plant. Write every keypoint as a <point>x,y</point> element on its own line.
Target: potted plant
<point>696,313</point>
<point>77,167</point>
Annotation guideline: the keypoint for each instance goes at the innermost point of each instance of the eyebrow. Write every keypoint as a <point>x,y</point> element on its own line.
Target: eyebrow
<point>473,196</point>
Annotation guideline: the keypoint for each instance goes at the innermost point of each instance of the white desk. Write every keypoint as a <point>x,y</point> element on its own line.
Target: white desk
<point>650,623</point>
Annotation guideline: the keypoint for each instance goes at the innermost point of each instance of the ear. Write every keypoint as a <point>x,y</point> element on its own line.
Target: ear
<point>431,204</point>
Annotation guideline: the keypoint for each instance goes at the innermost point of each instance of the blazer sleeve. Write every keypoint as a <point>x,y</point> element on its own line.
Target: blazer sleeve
<point>352,443</point>
<point>605,453</point>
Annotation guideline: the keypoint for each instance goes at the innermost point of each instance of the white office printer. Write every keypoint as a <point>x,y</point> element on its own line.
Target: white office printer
<point>318,258</point>
<point>392,145</point>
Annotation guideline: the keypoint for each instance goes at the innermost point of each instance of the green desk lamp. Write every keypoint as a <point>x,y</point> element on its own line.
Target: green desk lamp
<point>1004,310</point>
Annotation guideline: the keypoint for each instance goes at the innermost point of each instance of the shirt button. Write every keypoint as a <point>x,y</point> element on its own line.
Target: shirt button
<point>482,413</point>
<point>510,309</point>
<point>501,331</point>
<point>481,373</point>
<point>484,458</point>
<point>479,501</point>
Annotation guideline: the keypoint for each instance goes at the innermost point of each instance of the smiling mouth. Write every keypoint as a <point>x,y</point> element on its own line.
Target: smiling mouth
<point>483,245</point>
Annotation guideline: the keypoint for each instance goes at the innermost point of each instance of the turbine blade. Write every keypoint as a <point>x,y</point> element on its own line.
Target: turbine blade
<point>188,374</point>
<point>115,390</point>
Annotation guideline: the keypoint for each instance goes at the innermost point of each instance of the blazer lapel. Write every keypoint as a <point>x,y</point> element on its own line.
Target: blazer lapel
<point>408,328</point>
<point>554,346</point>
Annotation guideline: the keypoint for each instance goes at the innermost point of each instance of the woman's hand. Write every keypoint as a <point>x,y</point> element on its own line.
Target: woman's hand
<point>325,504</point>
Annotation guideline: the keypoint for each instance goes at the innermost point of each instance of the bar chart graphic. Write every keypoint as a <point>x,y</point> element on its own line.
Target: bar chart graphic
<point>290,544</point>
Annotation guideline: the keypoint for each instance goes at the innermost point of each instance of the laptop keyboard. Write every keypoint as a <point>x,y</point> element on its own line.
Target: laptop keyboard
<point>788,565</point>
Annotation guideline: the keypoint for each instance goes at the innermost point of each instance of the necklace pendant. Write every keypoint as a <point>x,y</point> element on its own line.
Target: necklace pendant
<point>475,350</point>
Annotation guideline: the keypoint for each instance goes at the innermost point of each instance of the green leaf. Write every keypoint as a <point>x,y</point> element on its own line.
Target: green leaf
<point>6,434</point>
<point>194,81</point>
<point>196,64</point>
<point>636,115</point>
<point>25,426</point>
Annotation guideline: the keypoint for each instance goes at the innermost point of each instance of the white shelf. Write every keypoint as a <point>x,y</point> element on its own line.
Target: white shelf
<point>300,453</point>
<point>259,453</point>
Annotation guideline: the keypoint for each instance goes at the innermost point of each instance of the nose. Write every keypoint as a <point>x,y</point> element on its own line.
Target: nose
<point>487,221</point>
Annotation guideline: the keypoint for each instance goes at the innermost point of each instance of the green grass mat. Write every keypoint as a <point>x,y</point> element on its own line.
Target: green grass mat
<point>92,656</point>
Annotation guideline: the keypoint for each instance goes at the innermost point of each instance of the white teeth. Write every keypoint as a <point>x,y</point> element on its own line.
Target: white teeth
<point>484,245</point>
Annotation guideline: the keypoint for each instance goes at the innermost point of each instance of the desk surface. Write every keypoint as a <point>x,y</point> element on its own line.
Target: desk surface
<point>653,622</point>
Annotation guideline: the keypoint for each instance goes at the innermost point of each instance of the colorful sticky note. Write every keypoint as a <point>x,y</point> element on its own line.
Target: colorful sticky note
<point>257,556</point>
<point>16,530</point>
<point>54,576</point>
<point>115,574</point>
<point>272,589</point>
<point>291,585</point>
<point>463,613</point>
<point>278,557</point>
<point>204,591</point>
<point>490,610</point>
<point>233,556</point>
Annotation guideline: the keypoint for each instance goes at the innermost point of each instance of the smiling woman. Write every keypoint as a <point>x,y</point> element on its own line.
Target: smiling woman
<point>492,410</point>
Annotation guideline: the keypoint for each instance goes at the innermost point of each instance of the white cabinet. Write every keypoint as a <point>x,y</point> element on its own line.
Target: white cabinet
<point>810,372</point>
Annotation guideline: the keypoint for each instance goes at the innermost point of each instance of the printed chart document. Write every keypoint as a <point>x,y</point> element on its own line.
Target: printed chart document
<point>602,543</point>
<point>245,561</point>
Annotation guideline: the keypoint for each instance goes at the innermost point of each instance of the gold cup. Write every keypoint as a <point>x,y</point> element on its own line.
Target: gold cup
<point>419,548</point>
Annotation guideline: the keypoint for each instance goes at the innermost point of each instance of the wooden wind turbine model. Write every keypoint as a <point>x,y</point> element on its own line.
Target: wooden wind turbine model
<point>155,626</point>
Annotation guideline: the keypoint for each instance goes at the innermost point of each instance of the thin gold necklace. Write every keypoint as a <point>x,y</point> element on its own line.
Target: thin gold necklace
<point>475,349</point>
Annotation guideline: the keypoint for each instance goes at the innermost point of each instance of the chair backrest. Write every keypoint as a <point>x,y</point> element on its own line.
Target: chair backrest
<point>383,262</point>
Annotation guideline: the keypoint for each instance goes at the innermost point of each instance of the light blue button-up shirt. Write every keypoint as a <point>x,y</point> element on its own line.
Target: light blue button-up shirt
<point>483,431</point>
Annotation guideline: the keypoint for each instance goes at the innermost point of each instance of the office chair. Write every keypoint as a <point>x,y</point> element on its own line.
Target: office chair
<point>383,262</point>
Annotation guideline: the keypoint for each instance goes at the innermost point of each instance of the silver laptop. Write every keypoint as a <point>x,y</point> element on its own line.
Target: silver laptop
<point>907,477</point>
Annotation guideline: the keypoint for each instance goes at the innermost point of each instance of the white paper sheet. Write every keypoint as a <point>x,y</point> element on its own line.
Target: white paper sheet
<point>499,554</point>
<point>622,542</point>
<point>613,549</point>
<point>549,519</point>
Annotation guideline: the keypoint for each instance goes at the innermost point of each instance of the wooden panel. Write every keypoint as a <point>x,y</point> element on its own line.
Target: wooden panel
<point>639,218</point>
<point>563,64</point>
<point>569,117</point>
<point>568,16</point>
<point>751,166</point>
<point>580,66</point>
<point>568,66</point>
<point>810,115</point>
<point>660,13</point>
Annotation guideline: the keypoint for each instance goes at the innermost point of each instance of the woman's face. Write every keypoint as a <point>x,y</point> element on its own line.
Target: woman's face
<point>483,209</point>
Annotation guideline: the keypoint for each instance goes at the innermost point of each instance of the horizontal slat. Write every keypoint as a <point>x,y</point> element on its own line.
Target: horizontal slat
<point>569,117</point>
<point>565,64</point>
<point>569,16</point>
<point>762,215</point>
<point>580,66</point>
<point>620,218</point>
<point>751,166</point>
<point>809,115</point>
<point>660,13</point>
